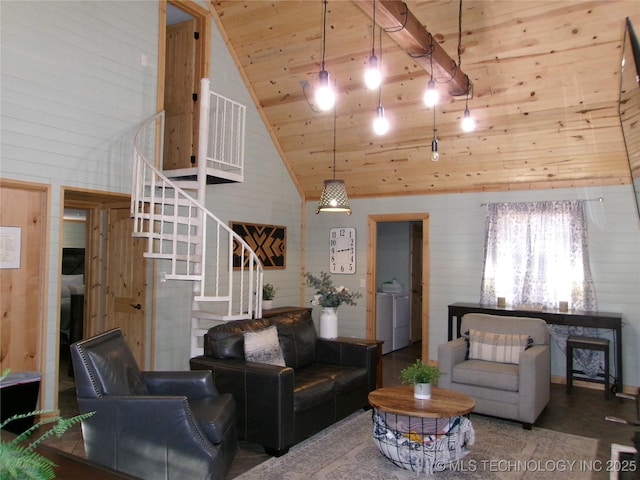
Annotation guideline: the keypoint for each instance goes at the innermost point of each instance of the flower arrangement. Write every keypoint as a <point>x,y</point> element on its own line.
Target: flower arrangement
<point>327,295</point>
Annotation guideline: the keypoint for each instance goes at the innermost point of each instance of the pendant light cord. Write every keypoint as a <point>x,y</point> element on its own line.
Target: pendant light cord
<point>431,48</point>
<point>380,66</point>
<point>373,31</point>
<point>460,35</point>
<point>324,31</point>
<point>434,122</point>
<point>334,142</point>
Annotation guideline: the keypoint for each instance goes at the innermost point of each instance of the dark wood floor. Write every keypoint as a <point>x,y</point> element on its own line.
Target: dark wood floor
<point>580,413</point>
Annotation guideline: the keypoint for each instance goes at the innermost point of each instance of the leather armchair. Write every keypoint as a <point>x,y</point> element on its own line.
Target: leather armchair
<point>171,425</point>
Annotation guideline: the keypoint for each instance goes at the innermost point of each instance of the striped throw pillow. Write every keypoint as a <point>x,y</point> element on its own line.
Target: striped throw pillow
<point>494,347</point>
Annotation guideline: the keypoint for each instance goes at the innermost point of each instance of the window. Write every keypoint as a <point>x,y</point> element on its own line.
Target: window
<point>536,254</point>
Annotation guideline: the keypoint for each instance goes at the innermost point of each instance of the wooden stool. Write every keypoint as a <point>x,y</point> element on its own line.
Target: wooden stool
<point>587,343</point>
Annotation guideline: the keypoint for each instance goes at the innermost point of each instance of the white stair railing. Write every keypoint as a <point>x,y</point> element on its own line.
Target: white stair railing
<point>225,138</point>
<point>197,245</point>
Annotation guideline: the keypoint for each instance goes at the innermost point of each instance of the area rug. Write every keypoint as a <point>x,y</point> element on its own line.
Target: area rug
<point>502,450</point>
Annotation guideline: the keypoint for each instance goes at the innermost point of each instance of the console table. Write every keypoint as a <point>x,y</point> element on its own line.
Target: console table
<point>604,320</point>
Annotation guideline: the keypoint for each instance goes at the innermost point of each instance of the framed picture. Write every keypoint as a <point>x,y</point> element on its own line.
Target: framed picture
<point>268,241</point>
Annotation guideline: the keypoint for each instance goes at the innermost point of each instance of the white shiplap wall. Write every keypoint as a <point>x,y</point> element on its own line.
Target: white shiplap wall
<point>456,250</point>
<point>72,90</point>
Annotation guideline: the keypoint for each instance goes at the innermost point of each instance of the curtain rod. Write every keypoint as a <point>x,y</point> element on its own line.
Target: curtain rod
<point>599,199</point>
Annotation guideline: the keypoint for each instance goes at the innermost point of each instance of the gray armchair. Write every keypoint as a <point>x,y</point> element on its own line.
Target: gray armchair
<point>501,389</point>
<point>171,425</point>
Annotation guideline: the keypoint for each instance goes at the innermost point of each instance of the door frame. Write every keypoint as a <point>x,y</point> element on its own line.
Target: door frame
<point>35,354</point>
<point>95,203</point>
<point>203,51</point>
<point>372,226</point>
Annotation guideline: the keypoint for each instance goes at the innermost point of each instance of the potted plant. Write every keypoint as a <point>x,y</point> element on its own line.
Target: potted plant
<point>18,456</point>
<point>421,376</point>
<point>268,293</point>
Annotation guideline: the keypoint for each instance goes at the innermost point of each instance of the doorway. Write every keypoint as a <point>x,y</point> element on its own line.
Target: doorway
<point>421,223</point>
<point>72,289</point>
<point>100,307</point>
<point>183,62</point>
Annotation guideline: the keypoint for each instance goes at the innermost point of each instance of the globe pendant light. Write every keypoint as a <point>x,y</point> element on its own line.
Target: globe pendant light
<point>334,192</point>
<point>431,95</point>
<point>380,123</point>
<point>325,96</point>
<point>468,123</point>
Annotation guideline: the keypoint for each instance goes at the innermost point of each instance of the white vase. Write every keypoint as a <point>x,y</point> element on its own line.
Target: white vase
<point>422,391</point>
<point>328,323</point>
<point>267,304</point>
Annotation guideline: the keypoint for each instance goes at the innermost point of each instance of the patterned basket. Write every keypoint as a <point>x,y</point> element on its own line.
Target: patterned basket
<point>422,444</point>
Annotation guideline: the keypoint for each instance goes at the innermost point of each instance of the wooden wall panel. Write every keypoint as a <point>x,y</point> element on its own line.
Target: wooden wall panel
<point>22,290</point>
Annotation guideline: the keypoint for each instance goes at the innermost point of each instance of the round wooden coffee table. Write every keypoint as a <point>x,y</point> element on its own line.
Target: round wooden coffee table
<point>421,435</point>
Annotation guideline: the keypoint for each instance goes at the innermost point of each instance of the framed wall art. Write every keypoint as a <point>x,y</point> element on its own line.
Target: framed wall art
<point>268,241</point>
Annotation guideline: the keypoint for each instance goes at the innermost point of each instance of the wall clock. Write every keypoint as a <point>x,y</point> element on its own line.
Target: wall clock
<point>342,250</point>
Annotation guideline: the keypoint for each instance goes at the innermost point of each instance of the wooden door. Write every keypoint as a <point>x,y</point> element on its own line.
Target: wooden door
<point>180,83</point>
<point>416,282</point>
<point>23,276</point>
<point>125,281</point>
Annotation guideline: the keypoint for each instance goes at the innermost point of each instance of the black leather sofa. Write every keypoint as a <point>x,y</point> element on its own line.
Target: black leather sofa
<point>169,425</point>
<point>323,382</point>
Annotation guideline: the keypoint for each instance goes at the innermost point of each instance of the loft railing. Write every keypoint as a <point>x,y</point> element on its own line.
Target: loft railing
<point>197,245</point>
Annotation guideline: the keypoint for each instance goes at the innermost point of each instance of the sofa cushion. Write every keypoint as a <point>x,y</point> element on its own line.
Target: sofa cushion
<point>297,335</point>
<point>500,376</point>
<point>346,378</point>
<point>227,339</point>
<point>312,386</point>
<point>262,346</point>
<point>494,347</point>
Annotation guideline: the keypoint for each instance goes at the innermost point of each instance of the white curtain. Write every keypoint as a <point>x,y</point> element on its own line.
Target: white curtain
<point>536,255</point>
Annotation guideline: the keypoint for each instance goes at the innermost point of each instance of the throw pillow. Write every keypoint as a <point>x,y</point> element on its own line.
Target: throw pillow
<point>262,346</point>
<point>494,347</point>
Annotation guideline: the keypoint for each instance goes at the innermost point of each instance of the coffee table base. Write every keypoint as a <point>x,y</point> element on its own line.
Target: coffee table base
<point>422,445</point>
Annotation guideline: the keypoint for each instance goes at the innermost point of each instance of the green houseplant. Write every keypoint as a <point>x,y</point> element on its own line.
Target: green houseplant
<point>421,376</point>
<point>268,291</point>
<point>18,458</point>
<point>268,294</point>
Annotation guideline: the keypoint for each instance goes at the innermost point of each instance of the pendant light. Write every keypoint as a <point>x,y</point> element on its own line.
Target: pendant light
<point>435,156</point>
<point>325,96</point>
<point>468,123</point>
<point>334,192</point>
<point>431,95</point>
<point>373,76</point>
<point>380,123</point>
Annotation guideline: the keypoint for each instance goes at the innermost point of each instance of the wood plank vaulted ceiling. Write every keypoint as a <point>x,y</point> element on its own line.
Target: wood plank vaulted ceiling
<point>545,80</point>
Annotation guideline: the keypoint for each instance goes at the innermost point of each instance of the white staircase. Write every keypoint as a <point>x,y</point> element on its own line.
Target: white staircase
<point>179,229</point>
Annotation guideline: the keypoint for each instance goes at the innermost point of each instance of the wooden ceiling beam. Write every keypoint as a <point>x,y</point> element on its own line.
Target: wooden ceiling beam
<point>409,34</point>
